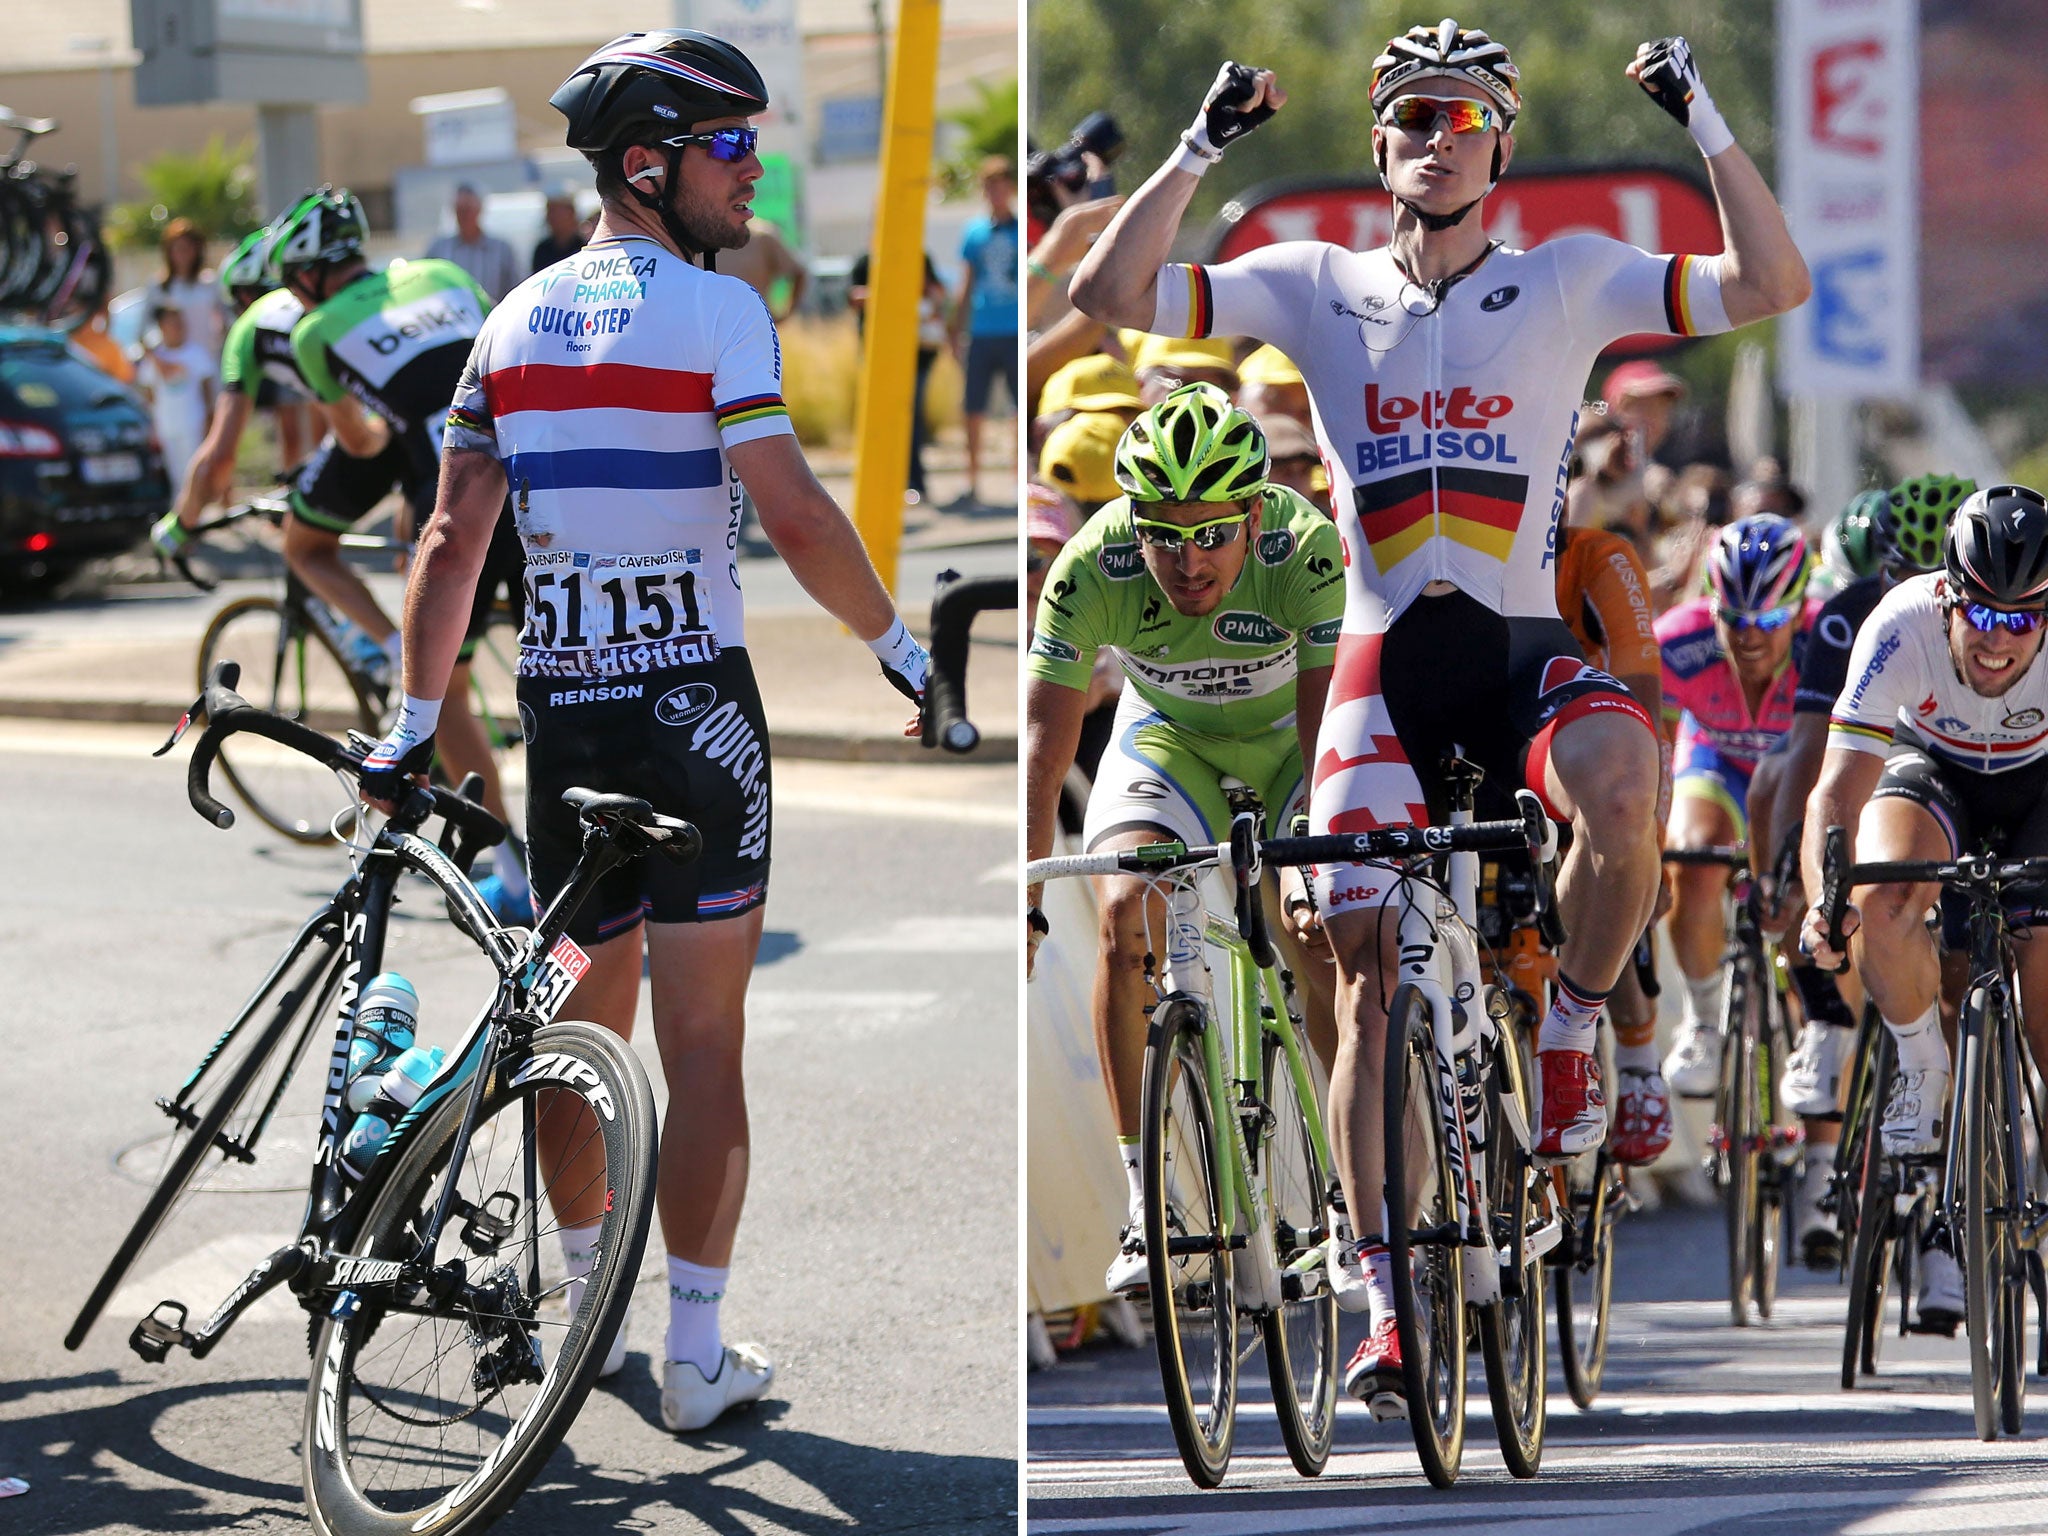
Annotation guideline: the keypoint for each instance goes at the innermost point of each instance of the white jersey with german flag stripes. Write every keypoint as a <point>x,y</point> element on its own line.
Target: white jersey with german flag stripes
<point>610,385</point>
<point>1445,415</point>
<point>1902,684</point>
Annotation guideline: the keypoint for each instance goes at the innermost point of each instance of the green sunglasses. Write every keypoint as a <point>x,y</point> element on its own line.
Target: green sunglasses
<point>1168,537</point>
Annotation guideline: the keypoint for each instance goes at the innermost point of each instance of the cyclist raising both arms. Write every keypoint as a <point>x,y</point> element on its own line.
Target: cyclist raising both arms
<point>625,396</point>
<point>1220,594</point>
<point>1938,747</point>
<point>1446,373</point>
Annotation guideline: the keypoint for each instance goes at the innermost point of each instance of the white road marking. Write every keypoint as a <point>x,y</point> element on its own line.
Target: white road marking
<point>813,1012</point>
<point>959,935</point>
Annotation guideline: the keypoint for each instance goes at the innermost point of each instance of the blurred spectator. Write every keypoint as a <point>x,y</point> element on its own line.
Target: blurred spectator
<point>100,348</point>
<point>1049,521</point>
<point>1164,363</point>
<point>931,335</point>
<point>484,257</point>
<point>178,374</point>
<point>1605,489</point>
<point>564,237</point>
<point>1296,463</point>
<point>1079,458</point>
<point>1054,257</point>
<point>1700,500</point>
<point>1096,382</point>
<point>1643,398</point>
<point>984,329</point>
<point>1269,385</point>
<point>767,265</point>
<point>1767,491</point>
<point>187,284</point>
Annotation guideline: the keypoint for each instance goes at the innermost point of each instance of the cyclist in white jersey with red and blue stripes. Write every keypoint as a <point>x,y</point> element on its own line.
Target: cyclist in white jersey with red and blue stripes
<point>1445,373</point>
<point>623,398</point>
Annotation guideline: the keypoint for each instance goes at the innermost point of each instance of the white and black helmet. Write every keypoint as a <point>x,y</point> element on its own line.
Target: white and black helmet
<point>1997,548</point>
<point>1447,51</point>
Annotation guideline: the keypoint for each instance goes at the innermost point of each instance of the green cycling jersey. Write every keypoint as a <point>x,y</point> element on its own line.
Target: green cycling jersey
<point>398,341</point>
<point>259,345</point>
<point>1228,673</point>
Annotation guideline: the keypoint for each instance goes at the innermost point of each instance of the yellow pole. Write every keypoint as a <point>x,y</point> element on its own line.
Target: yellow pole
<point>888,371</point>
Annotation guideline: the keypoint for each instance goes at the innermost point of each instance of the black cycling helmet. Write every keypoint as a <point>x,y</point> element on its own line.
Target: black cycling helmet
<point>1997,549</point>
<point>647,88</point>
<point>321,228</point>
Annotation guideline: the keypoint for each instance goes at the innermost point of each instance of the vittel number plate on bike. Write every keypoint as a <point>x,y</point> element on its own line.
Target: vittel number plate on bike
<point>590,613</point>
<point>559,973</point>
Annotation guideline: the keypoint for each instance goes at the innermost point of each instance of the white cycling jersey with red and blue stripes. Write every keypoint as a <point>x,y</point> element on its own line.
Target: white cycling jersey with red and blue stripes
<point>610,385</point>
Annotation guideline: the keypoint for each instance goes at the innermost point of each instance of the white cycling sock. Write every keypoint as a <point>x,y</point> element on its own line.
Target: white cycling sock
<point>1378,1264</point>
<point>1127,1149</point>
<point>579,1257</point>
<point>392,648</point>
<point>694,1292</point>
<point>506,866</point>
<point>1701,1005</point>
<point>1637,1058</point>
<point>1921,1047</point>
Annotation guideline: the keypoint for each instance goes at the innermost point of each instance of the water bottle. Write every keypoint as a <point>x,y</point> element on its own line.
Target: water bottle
<point>397,1092</point>
<point>386,1015</point>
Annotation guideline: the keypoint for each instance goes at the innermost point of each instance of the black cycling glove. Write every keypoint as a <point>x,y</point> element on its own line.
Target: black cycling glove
<point>1672,80</point>
<point>1224,115</point>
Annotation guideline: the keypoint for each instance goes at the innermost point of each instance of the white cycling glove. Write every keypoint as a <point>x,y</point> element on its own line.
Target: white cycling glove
<point>413,727</point>
<point>1672,79</point>
<point>904,662</point>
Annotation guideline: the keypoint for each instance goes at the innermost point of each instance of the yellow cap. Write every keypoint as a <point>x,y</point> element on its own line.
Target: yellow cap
<point>1268,365</point>
<point>1079,456</point>
<point>1093,383</point>
<point>1177,352</point>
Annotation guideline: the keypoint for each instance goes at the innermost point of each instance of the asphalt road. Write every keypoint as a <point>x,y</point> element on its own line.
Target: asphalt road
<point>877,1260</point>
<point>1701,1428</point>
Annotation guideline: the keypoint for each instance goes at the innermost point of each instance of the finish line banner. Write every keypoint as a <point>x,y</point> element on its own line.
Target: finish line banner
<point>1848,174</point>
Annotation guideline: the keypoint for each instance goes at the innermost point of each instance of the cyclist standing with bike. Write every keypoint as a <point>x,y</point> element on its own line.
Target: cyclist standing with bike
<point>625,397</point>
<point>1220,595</point>
<point>1446,373</point>
<point>1938,747</point>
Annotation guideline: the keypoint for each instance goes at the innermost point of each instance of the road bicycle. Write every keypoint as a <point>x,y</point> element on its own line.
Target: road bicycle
<point>53,263</point>
<point>1752,1152</point>
<point>1472,1216</point>
<point>1237,1171</point>
<point>445,1370</point>
<point>1985,1205</point>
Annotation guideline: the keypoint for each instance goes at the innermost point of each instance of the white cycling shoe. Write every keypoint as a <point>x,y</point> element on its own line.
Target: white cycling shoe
<point>615,1357</point>
<point>689,1402</point>
<point>1693,1069</point>
<point>1941,1304</point>
<point>1813,1076</point>
<point>1127,1271</point>
<point>1347,1276</point>
<point>1913,1119</point>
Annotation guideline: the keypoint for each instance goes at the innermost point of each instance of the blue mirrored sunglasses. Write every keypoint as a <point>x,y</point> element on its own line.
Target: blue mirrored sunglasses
<point>1769,619</point>
<point>1984,619</point>
<point>727,144</point>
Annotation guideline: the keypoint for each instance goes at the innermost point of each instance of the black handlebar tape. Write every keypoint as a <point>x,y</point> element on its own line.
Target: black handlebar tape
<point>1834,890</point>
<point>1396,843</point>
<point>1535,823</point>
<point>1722,858</point>
<point>954,608</point>
<point>1251,912</point>
<point>1646,965</point>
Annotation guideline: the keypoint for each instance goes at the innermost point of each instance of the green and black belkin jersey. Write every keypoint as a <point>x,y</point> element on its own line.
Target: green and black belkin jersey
<point>397,340</point>
<point>1229,673</point>
<point>258,349</point>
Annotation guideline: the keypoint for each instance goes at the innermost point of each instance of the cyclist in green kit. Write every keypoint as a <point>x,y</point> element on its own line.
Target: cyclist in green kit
<point>1221,596</point>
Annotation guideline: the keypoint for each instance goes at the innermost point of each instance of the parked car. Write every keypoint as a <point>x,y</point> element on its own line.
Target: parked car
<point>81,474</point>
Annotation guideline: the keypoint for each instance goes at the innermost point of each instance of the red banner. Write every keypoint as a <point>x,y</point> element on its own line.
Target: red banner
<point>1653,207</point>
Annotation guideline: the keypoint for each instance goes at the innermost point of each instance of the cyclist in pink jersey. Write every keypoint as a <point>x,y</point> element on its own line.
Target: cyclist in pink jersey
<point>1731,669</point>
<point>1445,373</point>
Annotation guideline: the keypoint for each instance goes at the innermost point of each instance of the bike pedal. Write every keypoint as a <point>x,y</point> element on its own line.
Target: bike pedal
<point>156,1335</point>
<point>1386,1407</point>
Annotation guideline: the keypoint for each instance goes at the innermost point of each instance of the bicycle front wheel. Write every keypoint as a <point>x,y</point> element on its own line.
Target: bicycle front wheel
<point>1424,1241</point>
<point>294,671</point>
<point>430,1416</point>
<point>1867,1187</point>
<point>1511,1331</point>
<point>1994,1273</point>
<point>1301,1333</point>
<point>1187,1252</point>
<point>1742,1199</point>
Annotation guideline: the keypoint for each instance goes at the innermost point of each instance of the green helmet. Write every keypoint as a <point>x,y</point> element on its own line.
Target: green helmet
<point>248,264</point>
<point>1855,540</point>
<point>1192,446</point>
<point>324,225</point>
<point>1915,518</point>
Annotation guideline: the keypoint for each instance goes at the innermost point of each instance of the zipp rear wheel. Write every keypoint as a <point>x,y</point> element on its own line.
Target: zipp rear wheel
<point>431,1416</point>
<point>1512,1335</point>
<point>1187,1257</point>
<point>1428,1271</point>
